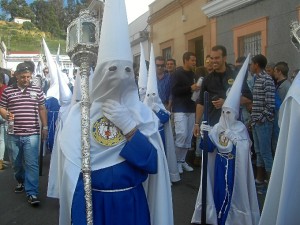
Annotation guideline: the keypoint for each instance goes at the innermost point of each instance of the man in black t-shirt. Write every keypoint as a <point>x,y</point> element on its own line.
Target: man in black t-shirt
<point>217,84</point>
<point>182,87</point>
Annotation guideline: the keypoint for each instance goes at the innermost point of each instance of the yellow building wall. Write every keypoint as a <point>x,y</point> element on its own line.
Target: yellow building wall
<point>177,25</point>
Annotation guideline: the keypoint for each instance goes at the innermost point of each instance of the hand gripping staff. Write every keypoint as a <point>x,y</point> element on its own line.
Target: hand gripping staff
<point>204,160</point>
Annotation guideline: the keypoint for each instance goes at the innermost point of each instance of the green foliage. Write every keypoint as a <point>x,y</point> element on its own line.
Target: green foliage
<point>17,8</point>
<point>18,39</point>
<point>28,26</point>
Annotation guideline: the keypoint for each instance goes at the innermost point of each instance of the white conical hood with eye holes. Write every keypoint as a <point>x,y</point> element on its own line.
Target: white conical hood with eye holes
<point>114,77</point>
<point>143,75</point>
<point>152,96</point>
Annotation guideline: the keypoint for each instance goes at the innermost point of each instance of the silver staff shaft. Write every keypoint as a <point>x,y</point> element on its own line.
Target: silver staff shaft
<point>85,138</point>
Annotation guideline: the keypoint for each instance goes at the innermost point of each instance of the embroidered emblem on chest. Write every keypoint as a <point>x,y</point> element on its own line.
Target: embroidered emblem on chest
<point>223,140</point>
<point>106,133</point>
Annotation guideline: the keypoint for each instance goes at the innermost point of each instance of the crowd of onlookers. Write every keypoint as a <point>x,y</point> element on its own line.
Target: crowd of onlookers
<point>267,84</point>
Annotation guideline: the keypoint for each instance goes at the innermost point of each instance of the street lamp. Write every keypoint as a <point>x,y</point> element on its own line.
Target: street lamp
<point>295,34</point>
<point>82,47</point>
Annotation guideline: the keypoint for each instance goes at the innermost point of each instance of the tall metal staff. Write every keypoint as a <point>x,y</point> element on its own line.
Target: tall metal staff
<point>82,47</point>
<point>204,165</point>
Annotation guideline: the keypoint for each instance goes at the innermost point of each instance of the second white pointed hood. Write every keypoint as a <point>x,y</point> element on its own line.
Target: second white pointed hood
<point>53,90</point>
<point>143,75</point>
<point>152,96</point>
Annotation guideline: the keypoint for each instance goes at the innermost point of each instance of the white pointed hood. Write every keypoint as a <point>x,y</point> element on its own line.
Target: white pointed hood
<point>152,91</point>
<point>142,83</point>
<point>65,93</point>
<point>233,98</point>
<point>53,90</point>
<point>114,65</point>
<point>230,112</point>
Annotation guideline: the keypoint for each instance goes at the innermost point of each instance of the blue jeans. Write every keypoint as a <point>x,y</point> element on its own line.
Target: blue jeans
<point>262,136</point>
<point>24,152</point>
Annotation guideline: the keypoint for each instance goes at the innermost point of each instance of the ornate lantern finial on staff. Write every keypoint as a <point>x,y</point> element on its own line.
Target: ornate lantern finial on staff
<point>295,34</point>
<point>82,47</point>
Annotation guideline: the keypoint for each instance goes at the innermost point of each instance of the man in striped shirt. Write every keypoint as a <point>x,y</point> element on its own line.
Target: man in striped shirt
<point>262,117</point>
<point>24,104</point>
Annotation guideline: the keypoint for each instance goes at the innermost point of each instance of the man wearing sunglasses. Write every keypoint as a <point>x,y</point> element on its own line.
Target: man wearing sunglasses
<point>163,82</point>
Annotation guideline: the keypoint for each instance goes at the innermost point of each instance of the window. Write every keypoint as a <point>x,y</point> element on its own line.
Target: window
<point>250,37</point>
<point>249,44</point>
<point>166,53</point>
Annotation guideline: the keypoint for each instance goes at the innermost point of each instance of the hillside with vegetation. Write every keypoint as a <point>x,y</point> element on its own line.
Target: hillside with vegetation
<point>18,37</point>
<point>49,19</point>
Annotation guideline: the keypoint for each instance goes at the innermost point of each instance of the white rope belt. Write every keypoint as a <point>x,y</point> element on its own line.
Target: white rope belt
<point>115,190</point>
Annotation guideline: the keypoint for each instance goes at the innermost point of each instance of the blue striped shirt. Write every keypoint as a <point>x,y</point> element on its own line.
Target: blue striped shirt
<point>164,88</point>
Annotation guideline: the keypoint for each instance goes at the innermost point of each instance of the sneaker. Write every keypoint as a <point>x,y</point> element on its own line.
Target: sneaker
<point>186,167</point>
<point>179,166</point>
<point>19,188</point>
<point>33,200</point>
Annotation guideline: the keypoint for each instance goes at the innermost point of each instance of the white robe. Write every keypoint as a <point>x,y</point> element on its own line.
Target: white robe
<point>244,205</point>
<point>282,201</point>
<point>157,186</point>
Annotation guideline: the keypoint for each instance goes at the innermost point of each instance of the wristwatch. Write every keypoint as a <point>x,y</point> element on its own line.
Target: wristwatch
<point>45,127</point>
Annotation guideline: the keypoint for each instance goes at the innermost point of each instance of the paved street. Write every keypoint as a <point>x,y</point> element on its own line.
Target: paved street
<point>14,209</point>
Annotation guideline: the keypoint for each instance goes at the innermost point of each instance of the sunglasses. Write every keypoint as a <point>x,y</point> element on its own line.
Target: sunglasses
<point>160,65</point>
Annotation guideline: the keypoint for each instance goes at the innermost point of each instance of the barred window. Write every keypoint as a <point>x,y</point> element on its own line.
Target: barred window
<point>250,44</point>
<point>166,53</point>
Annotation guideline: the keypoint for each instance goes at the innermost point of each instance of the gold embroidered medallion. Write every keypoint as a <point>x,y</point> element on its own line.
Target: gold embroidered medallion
<point>106,133</point>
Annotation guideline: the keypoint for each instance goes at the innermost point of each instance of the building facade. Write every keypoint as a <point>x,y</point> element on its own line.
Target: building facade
<point>177,26</point>
<point>255,26</point>
<point>139,31</point>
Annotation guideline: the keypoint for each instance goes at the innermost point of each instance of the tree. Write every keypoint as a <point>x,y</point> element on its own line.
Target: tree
<point>17,8</point>
<point>46,18</point>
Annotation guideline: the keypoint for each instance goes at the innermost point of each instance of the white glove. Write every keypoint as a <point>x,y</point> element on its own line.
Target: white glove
<point>231,136</point>
<point>204,127</point>
<point>118,115</point>
<point>155,107</point>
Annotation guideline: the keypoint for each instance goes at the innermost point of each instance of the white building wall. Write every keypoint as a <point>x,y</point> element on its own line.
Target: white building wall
<point>135,27</point>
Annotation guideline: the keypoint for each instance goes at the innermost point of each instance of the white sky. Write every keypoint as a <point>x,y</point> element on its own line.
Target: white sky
<point>136,8</point>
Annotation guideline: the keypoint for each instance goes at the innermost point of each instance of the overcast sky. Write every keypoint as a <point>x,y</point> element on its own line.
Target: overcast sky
<point>136,8</point>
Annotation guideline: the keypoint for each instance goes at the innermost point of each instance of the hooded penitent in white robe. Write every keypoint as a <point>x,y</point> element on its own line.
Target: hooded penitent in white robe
<point>283,196</point>
<point>113,80</point>
<point>231,158</point>
<point>54,179</point>
<point>153,101</point>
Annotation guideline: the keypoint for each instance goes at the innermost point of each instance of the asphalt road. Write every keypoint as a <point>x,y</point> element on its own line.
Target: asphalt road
<point>14,209</point>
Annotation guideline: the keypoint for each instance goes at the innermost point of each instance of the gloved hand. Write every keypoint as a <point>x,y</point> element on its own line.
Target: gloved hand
<point>155,107</point>
<point>118,115</point>
<point>231,136</point>
<point>204,127</point>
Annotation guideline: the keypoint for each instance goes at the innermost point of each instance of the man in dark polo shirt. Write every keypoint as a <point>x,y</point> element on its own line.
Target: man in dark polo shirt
<point>183,86</point>
<point>217,84</point>
<point>25,105</point>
